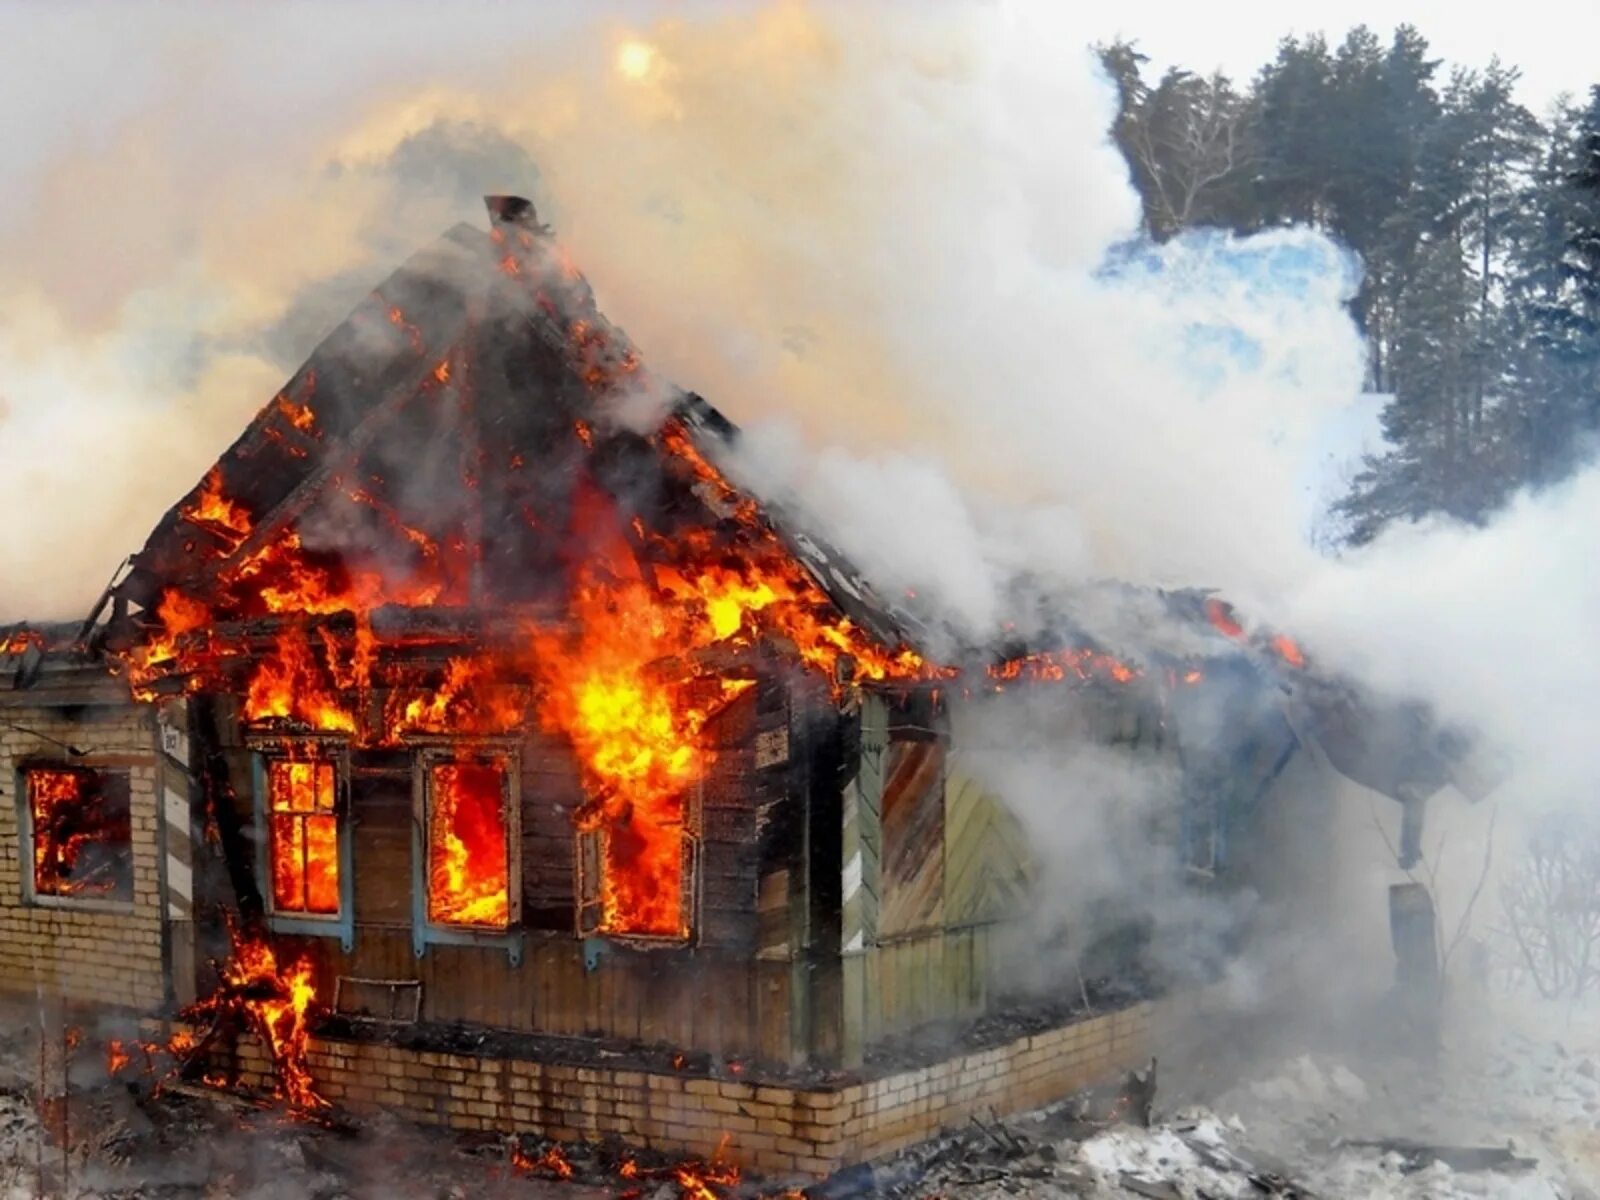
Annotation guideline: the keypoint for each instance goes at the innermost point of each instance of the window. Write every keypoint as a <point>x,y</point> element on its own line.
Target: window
<point>304,832</point>
<point>80,833</point>
<point>470,825</point>
<point>303,845</point>
<point>636,877</point>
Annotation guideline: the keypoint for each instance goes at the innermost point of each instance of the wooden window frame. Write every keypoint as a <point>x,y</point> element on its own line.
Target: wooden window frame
<point>333,750</point>
<point>425,931</point>
<point>31,896</point>
<point>588,870</point>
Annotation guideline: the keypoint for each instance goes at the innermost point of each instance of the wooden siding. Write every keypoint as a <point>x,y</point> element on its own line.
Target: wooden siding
<point>988,866</point>
<point>912,897</point>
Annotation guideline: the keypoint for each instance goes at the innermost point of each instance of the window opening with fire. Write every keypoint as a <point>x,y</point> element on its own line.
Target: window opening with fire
<point>470,824</point>
<point>304,838</point>
<point>80,833</point>
<point>303,824</point>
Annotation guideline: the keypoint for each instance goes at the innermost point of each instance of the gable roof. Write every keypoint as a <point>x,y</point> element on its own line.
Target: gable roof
<point>444,436</point>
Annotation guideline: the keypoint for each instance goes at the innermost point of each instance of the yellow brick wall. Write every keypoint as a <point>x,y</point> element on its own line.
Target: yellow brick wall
<point>109,954</point>
<point>775,1130</point>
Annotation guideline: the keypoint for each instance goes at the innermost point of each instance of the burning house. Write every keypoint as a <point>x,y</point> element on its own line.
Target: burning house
<point>566,783</point>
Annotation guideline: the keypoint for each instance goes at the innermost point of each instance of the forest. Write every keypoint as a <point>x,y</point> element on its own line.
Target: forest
<point>1476,220</point>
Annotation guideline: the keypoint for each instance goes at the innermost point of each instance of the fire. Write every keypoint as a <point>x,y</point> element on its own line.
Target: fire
<point>305,840</point>
<point>277,1002</point>
<point>552,1162</point>
<point>117,1057</point>
<point>618,690</point>
<point>1288,650</point>
<point>16,643</point>
<point>1221,617</point>
<point>291,685</point>
<point>297,415</point>
<point>468,870</point>
<point>696,1178</point>
<point>465,701</point>
<point>214,512</point>
<point>1060,665</point>
<point>81,834</point>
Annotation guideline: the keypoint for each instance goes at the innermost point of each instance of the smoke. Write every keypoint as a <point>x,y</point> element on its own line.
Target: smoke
<point>896,245</point>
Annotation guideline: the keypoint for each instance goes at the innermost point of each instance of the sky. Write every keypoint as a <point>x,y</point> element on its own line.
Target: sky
<point>1550,40</point>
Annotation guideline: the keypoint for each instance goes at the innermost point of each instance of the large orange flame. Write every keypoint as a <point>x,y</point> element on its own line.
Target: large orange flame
<point>469,881</point>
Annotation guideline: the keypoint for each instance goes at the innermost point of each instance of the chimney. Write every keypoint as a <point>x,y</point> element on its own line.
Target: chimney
<point>511,210</point>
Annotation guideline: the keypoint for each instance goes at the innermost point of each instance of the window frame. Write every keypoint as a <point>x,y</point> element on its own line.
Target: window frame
<point>334,750</point>
<point>426,754</point>
<point>31,896</point>
<point>588,874</point>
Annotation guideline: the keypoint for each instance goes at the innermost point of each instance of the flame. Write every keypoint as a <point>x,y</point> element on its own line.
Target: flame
<point>1064,665</point>
<point>552,1162</point>
<point>117,1057</point>
<point>1288,650</point>
<point>291,685</point>
<point>634,720</point>
<point>16,643</point>
<point>81,837</point>
<point>696,1178</point>
<point>214,512</point>
<point>298,416</point>
<point>468,872</point>
<point>276,1001</point>
<point>304,833</point>
<point>1220,614</point>
<point>466,701</point>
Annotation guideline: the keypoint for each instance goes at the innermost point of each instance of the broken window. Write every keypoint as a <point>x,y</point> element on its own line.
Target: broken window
<point>303,829</point>
<point>637,879</point>
<point>470,821</point>
<point>80,833</point>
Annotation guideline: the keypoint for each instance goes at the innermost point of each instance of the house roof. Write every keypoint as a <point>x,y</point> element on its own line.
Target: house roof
<point>475,398</point>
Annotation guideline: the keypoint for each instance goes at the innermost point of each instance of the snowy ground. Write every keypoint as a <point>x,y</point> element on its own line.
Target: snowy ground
<point>1304,1125</point>
<point>1291,1125</point>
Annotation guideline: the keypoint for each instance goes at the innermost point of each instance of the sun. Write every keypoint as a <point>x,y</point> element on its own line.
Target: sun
<point>636,59</point>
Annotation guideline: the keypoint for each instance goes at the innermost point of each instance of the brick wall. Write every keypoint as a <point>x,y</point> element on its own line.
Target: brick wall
<point>103,953</point>
<point>772,1129</point>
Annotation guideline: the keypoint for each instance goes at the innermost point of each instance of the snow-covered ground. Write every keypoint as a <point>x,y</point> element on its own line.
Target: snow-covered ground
<point>1302,1124</point>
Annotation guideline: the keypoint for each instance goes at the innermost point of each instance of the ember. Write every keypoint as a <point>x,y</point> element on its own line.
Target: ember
<point>1064,665</point>
<point>82,833</point>
<point>1288,650</point>
<point>468,865</point>
<point>552,1162</point>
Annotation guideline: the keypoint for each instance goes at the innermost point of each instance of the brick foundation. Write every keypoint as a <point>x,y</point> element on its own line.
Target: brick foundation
<point>772,1129</point>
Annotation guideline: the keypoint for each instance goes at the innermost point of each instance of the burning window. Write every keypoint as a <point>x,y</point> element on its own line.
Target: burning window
<point>470,824</point>
<point>81,833</point>
<point>303,828</point>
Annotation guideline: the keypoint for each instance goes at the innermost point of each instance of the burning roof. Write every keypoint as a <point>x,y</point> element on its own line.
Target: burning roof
<point>448,508</point>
